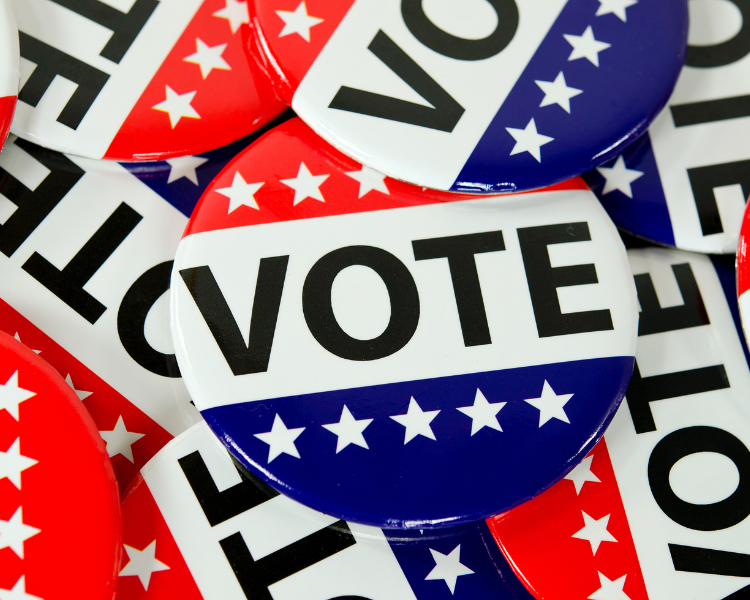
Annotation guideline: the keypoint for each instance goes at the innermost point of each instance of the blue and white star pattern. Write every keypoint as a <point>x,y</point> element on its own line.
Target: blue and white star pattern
<point>685,183</point>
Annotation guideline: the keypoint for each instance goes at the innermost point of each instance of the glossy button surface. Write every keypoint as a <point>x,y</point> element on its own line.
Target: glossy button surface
<point>685,182</point>
<point>479,97</point>
<point>144,80</point>
<point>9,67</point>
<point>60,523</point>
<point>659,509</point>
<point>392,355</point>
<point>87,249</point>
<point>197,527</point>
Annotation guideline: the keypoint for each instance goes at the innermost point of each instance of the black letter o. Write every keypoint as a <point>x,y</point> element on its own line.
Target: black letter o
<point>460,48</point>
<point>318,311</point>
<point>690,440</point>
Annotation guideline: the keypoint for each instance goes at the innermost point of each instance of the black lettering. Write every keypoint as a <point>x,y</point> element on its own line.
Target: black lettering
<point>655,319</point>
<point>254,357</point>
<point>444,113</point>
<point>255,576</point>
<point>727,52</point>
<point>691,440</point>
<point>131,320</point>
<point>460,48</point>
<point>51,62</point>
<point>644,390</point>
<point>703,180</point>
<point>68,283</point>
<point>705,560</point>
<point>708,111</point>
<point>125,27</point>
<point>222,506</point>
<point>544,280</point>
<point>460,251</point>
<point>34,206</point>
<point>318,311</point>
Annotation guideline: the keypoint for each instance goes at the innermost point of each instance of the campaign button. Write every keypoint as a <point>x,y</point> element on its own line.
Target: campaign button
<point>138,80</point>
<point>685,182</point>
<point>87,249</point>
<point>394,355</point>
<point>477,97</point>
<point>60,523</point>
<point>9,67</point>
<point>659,509</point>
<point>197,525</point>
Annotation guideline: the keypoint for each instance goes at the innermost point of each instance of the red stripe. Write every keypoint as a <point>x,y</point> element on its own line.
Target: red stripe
<point>143,524</point>
<point>7,109</point>
<point>231,103</point>
<point>277,155</point>
<point>536,538</point>
<point>743,260</point>
<point>287,59</point>
<point>105,404</point>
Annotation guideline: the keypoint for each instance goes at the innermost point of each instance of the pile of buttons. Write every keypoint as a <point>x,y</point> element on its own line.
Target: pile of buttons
<point>374,299</point>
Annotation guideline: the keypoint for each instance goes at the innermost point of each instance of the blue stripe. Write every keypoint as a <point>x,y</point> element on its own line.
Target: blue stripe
<point>620,97</point>
<point>645,214</point>
<point>456,475</point>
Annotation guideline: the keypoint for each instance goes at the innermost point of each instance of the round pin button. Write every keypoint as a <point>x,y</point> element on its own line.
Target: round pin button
<point>197,526</point>
<point>478,97</point>
<point>141,80</point>
<point>684,183</point>
<point>60,524</point>
<point>659,508</point>
<point>9,67</point>
<point>392,355</point>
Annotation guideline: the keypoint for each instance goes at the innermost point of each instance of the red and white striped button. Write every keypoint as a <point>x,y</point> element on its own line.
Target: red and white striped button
<point>9,67</point>
<point>138,80</point>
<point>60,523</point>
<point>660,507</point>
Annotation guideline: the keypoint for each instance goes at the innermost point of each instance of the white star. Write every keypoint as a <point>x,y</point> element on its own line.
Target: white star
<point>18,338</point>
<point>208,57</point>
<point>482,413</point>
<point>305,185</point>
<point>528,140</point>
<point>594,531</point>
<point>610,590</point>
<point>12,463</point>
<point>615,7</point>
<point>235,12</point>
<point>416,421</point>
<point>14,533</point>
<point>142,563</point>
<point>448,568</point>
<point>585,46</point>
<point>82,395</point>
<point>550,405</point>
<point>369,179</point>
<point>18,592</point>
<point>558,92</point>
<point>619,177</point>
<point>11,395</point>
<point>178,106</point>
<point>298,21</point>
<point>582,473</point>
<point>184,166</point>
<point>349,430</point>
<point>240,193</point>
<point>120,440</point>
<point>280,440</point>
